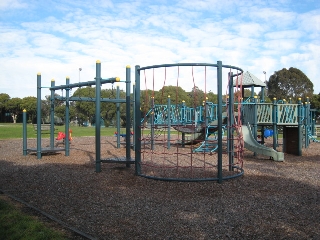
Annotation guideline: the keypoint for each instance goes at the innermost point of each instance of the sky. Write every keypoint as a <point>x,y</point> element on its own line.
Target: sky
<point>56,38</point>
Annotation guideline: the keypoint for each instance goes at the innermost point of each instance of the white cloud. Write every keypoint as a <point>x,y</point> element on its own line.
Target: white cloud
<point>68,35</point>
<point>12,4</point>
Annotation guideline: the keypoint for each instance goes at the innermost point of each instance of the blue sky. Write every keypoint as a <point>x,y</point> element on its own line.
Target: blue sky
<point>58,37</point>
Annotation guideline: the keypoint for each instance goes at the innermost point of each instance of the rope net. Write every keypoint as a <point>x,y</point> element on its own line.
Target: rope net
<point>180,128</point>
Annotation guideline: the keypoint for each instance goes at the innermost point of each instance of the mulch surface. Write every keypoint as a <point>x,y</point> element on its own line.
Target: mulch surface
<point>272,200</point>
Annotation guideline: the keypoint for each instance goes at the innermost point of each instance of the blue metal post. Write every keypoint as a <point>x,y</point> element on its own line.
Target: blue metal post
<point>254,127</point>
<point>98,96</point>
<point>128,117</point>
<point>134,115</point>
<point>230,121</point>
<point>183,113</point>
<point>118,116</point>
<point>39,116</point>
<point>152,123</point>
<point>255,120</point>
<point>219,87</point>
<point>305,124</point>
<point>262,94</point>
<point>24,133</point>
<point>252,91</point>
<point>274,123</point>
<point>52,115</point>
<point>137,127</point>
<point>66,121</point>
<point>169,121</point>
<point>300,126</point>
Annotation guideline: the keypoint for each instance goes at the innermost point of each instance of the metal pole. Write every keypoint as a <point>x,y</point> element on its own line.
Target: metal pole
<point>274,122</point>
<point>66,121</point>
<point>230,121</point>
<point>152,124</point>
<point>299,127</point>
<point>52,115</point>
<point>98,96</point>
<point>137,127</point>
<point>39,116</point>
<point>24,133</point>
<point>263,88</point>
<point>118,117</point>
<point>219,87</point>
<point>134,115</point>
<point>169,121</point>
<point>306,123</point>
<point>255,125</point>
<point>128,117</point>
<point>183,113</point>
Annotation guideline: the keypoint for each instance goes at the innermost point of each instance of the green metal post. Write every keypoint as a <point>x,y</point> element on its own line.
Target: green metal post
<point>152,123</point>
<point>262,94</point>
<point>307,123</point>
<point>169,121</point>
<point>66,121</point>
<point>52,115</point>
<point>230,121</point>
<point>98,96</point>
<point>24,132</point>
<point>219,87</point>
<point>137,127</point>
<point>118,116</point>
<point>206,122</point>
<point>274,123</point>
<point>300,126</point>
<point>128,117</point>
<point>134,115</point>
<point>183,113</point>
<point>39,116</point>
<point>255,125</point>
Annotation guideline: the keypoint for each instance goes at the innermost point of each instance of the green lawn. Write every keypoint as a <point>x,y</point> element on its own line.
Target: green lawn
<point>16,225</point>
<point>11,130</point>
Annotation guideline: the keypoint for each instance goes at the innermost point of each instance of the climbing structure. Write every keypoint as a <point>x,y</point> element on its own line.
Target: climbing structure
<point>197,142</point>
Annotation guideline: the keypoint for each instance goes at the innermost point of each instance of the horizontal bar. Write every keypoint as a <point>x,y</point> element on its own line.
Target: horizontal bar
<point>89,99</point>
<point>188,64</point>
<point>81,84</point>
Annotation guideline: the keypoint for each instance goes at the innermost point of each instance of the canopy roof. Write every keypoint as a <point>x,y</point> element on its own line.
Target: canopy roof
<point>250,80</point>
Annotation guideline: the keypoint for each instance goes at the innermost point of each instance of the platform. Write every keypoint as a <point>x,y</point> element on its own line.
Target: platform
<point>117,160</point>
<point>46,150</point>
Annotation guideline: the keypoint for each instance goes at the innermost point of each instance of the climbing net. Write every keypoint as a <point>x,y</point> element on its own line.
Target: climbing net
<point>200,136</point>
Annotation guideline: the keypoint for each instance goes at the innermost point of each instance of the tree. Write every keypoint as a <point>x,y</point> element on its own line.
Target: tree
<point>212,97</point>
<point>85,110</point>
<point>30,105</point>
<point>315,104</point>
<point>14,108</point>
<point>177,95</point>
<point>292,83</point>
<point>3,100</point>
<point>196,96</point>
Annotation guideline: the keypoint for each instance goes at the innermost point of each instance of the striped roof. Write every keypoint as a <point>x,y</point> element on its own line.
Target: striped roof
<point>250,80</point>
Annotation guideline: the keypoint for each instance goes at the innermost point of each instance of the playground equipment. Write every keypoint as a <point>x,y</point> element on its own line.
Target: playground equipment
<point>62,136</point>
<point>199,150</point>
<point>168,157</point>
<point>251,144</point>
<point>294,119</point>
<point>67,87</point>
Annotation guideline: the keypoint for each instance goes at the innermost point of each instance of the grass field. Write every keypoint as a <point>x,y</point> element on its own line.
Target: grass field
<point>10,130</point>
<point>14,224</point>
